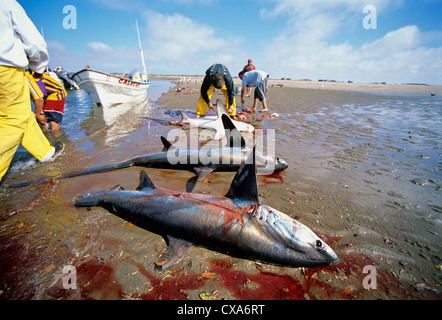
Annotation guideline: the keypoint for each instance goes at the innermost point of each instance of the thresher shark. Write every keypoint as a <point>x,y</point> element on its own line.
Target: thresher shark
<point>236,224</point>
<point>202,161</point>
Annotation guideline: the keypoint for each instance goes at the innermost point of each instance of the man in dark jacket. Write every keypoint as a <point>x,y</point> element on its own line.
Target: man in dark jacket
<point>217,77</point>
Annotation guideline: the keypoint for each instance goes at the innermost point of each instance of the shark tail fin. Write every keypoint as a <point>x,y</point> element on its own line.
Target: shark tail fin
<point>244,186</point>
<point>234,137</point>
<point>166,143</point>
<point>220,108</point>
<point>145,182</point>
<point>184,116</point>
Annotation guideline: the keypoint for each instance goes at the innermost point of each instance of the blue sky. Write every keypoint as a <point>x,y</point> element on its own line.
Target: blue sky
<point>297,39</point>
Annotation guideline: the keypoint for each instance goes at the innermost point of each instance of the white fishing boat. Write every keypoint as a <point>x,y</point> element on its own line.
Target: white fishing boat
<point>108,89</point>
<point>111,89</point>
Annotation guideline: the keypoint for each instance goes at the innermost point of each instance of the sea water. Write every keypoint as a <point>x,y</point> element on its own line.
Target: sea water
<point>83,118</point>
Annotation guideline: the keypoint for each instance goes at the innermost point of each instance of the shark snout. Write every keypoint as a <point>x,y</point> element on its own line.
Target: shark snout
<point>281,164</point>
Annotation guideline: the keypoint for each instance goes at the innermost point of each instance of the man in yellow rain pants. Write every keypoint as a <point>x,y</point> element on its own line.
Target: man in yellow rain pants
<point>217,77</point>
<point>21,45</point>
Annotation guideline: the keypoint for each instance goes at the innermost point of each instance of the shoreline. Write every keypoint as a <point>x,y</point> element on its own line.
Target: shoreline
<point>342,182</point>
<point>366,187</point>
<point>324,85</point>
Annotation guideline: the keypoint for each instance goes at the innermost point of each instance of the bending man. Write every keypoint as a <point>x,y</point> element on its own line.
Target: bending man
<point>217,77</point>
<point>258,79</point>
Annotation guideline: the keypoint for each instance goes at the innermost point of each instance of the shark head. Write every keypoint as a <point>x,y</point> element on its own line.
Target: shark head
<point>280,164</point>
<point>268,164</point>
<point>290,242</point>
<point>301,246</point>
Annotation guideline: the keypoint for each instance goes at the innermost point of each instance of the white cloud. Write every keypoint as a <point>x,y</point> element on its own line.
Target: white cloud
<point>59,55</point>
<point>99,47</point>
<point>305,47</point>
<point>405,38</point>
<point>178,44</point>
<point>103,57</point>
<point>299,9</point>
<point>98,56</point>
<point>172,44</point>
<point>399,57</point>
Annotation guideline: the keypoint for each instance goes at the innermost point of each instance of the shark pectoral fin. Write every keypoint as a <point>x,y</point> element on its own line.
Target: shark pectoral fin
<point>167,144</point>
<point>145,182</point>
<point>219,134</point>
<point>176,250</point>
<point>202,173</point>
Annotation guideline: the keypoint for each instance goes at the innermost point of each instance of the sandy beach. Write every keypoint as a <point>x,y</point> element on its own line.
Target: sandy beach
<point>325,85</point>
<point>331,187</point>
<point>356,184</point>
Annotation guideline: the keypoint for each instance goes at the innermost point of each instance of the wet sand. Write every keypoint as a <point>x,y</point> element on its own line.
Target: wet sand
<point>329,186</point>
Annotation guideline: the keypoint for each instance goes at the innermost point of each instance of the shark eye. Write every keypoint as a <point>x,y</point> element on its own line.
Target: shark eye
<point>318,244</point>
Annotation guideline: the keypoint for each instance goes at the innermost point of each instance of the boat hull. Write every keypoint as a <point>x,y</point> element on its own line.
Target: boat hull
<point>107,89</point>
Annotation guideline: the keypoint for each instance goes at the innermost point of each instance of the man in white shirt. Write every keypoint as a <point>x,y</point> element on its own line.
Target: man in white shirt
<point>258,79</point>
<point>21,45</point>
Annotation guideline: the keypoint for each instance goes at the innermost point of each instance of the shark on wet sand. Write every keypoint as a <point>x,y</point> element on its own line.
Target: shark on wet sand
<point>236,224</point>
<point>216,123</point>
<point>201,161</point>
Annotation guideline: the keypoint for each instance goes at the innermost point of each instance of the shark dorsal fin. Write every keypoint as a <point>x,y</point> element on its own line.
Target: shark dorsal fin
<point>233,136</point>
<point>220,108</point>
<point>166,143</point>
<point>145,182</point>
<point>244,186</point>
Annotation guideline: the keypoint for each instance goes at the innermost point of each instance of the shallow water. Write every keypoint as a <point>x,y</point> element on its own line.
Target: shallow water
<point>393,141</point>
<point>362,167</point>
<point>379,155</point>
<point>83,119</point>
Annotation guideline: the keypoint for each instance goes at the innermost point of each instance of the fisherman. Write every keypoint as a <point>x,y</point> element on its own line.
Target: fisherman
<point>258,79</point>
<point>54,96</point>
<point>217,77</point>
<point>37,96</point>
<point>21,45</point>
<point>249,67</point>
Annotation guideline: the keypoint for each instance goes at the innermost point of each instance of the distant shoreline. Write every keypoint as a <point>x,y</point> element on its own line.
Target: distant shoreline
<point>325,85</point>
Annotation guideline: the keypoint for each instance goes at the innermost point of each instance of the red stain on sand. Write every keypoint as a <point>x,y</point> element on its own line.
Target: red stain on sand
<point>170,287</point>
<point>260,286</point>
<point>274,178</point>
<point>97,281</point>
